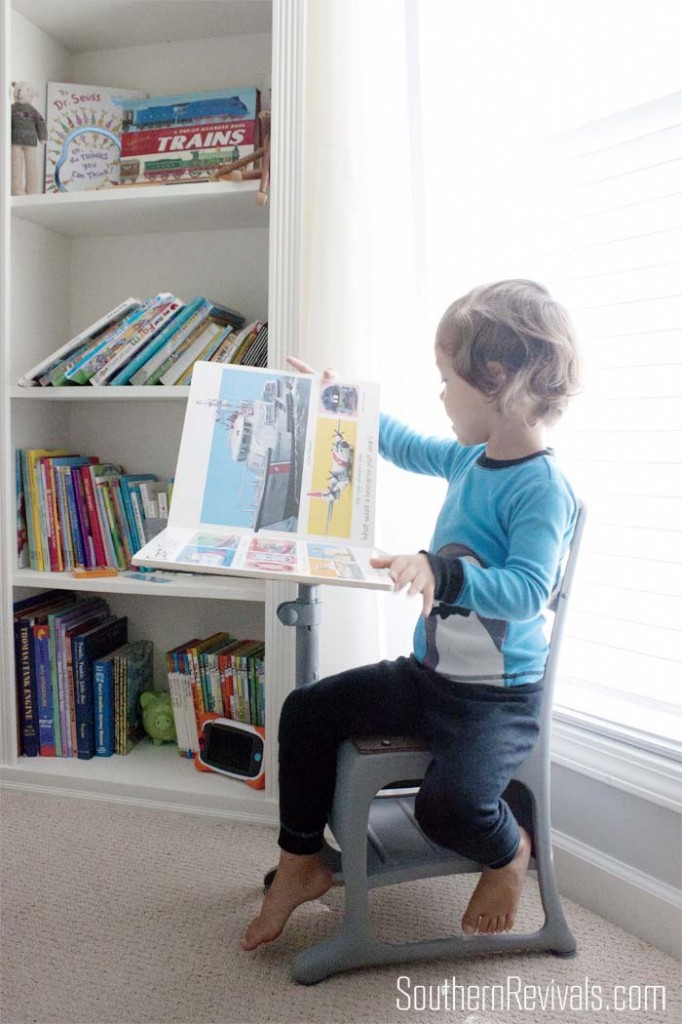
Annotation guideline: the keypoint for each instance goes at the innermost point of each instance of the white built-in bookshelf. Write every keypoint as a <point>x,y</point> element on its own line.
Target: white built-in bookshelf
<point>66,259</point>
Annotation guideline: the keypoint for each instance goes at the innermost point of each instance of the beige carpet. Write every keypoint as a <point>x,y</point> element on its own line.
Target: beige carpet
<point>116,915</point>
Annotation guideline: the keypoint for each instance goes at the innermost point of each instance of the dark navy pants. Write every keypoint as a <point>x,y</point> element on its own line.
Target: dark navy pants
<point>480,735</point>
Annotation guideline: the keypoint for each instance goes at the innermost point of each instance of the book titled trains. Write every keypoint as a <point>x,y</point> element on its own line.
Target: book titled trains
<point>186,137</point>
<point>83,147</point>
<point>276,477</point>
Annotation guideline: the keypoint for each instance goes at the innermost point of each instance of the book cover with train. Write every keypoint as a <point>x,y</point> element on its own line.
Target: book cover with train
<point>187,136</point>
<point>276,477</point>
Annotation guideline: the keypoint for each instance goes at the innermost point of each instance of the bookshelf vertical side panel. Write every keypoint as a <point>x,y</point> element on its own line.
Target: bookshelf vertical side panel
<point>280,672</point>
<point>7,703</point>
<point>289,18</point>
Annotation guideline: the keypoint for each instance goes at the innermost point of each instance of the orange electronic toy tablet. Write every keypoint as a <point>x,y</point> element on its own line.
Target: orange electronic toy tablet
<point>231,748</point>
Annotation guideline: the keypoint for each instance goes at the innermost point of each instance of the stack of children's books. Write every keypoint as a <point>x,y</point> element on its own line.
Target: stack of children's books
<point>78,678</point>
<point>152,341</point>
<point>219,675</point>
<point>77,513</point>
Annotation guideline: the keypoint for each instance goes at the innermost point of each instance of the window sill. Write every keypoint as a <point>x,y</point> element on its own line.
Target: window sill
<point>650,776</point>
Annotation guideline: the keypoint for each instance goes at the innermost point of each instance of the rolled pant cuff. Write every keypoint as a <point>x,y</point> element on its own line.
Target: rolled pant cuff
<point>303,845</point>
<point>502,862</point>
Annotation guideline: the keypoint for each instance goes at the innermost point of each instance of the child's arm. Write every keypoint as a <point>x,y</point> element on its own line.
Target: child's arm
<point>515,591</point>
<point>431,456</point>
<point>417,453</point>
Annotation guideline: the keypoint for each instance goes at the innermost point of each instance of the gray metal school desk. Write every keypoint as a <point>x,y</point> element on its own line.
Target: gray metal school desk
<point>381,842</point>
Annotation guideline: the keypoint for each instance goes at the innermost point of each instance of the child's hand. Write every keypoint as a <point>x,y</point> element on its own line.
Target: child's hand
<point>410,570</point>
<point>327,375</point>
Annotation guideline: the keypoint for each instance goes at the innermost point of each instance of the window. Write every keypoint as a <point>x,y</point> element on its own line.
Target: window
<point>595,213</point>
<point>603,219</point>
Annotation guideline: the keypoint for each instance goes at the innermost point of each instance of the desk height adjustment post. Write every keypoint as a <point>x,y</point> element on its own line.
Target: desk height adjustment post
<point>305,613</point>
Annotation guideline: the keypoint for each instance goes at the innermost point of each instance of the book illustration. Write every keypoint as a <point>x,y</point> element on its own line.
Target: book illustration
<point>257,453</point>
<point>208,550</point>
<point>341,399</point>
<point>187,136</point>
<point>83,136</point>
<point>334,562</point>
<point>332,505</point>
<point>267,554</point>
<point>276,477</point>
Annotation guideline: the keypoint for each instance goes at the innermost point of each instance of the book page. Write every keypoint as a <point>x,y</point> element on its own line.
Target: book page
<point>263,554</point>
<point>276,476</point>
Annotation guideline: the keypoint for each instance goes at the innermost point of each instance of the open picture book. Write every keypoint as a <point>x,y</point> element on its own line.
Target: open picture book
<point>276,477</point>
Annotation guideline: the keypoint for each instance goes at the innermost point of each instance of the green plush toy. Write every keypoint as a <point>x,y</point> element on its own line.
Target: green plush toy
<point>157,717</point>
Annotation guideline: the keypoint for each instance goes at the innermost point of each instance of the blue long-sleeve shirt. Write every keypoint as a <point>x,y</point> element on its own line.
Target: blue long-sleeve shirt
<point>496,553</point>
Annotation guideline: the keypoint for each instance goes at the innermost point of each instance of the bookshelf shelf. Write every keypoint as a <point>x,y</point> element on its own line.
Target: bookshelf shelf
<point>104,394</point>
<point>147,775</point>
<point>186,585</point>
<point>205,206</point>
<point>66,258</point>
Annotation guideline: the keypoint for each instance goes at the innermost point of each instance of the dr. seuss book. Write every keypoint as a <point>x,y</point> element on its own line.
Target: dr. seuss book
<point>276,477</point>
<point>83,136</point>
<point>185,137</point>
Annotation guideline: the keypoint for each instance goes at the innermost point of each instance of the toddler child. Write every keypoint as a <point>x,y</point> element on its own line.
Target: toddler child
<point>473,684</point>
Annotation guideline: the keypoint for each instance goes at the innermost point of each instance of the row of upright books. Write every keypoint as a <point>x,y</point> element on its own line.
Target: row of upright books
<point>218,674</point>
<point>77,513</point>
<point>152,341</point>
<point>78,677</point>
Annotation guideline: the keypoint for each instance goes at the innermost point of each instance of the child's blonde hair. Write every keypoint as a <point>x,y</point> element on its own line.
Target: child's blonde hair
<point>519,326</point>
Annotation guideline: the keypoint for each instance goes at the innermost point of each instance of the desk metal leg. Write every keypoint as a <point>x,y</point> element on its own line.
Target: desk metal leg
<point>305,614</point>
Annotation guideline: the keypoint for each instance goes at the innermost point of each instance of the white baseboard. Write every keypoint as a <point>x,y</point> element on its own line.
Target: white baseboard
<point>636,902</point>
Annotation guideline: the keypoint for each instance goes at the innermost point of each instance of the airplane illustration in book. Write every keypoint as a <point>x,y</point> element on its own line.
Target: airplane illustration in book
<point>340,473</point>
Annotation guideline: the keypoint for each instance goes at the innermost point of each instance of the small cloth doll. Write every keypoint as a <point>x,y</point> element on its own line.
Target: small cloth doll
<point>28,129</point>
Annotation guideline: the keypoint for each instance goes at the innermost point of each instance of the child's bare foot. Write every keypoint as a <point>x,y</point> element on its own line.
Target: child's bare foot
<point>492,907</point>
<point>297,880</point>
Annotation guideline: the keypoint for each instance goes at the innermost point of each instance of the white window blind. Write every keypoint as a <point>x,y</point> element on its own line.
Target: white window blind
<point>601,225</point>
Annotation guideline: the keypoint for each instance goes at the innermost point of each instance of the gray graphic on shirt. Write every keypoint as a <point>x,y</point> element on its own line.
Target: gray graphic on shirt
<point>460,643</point>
